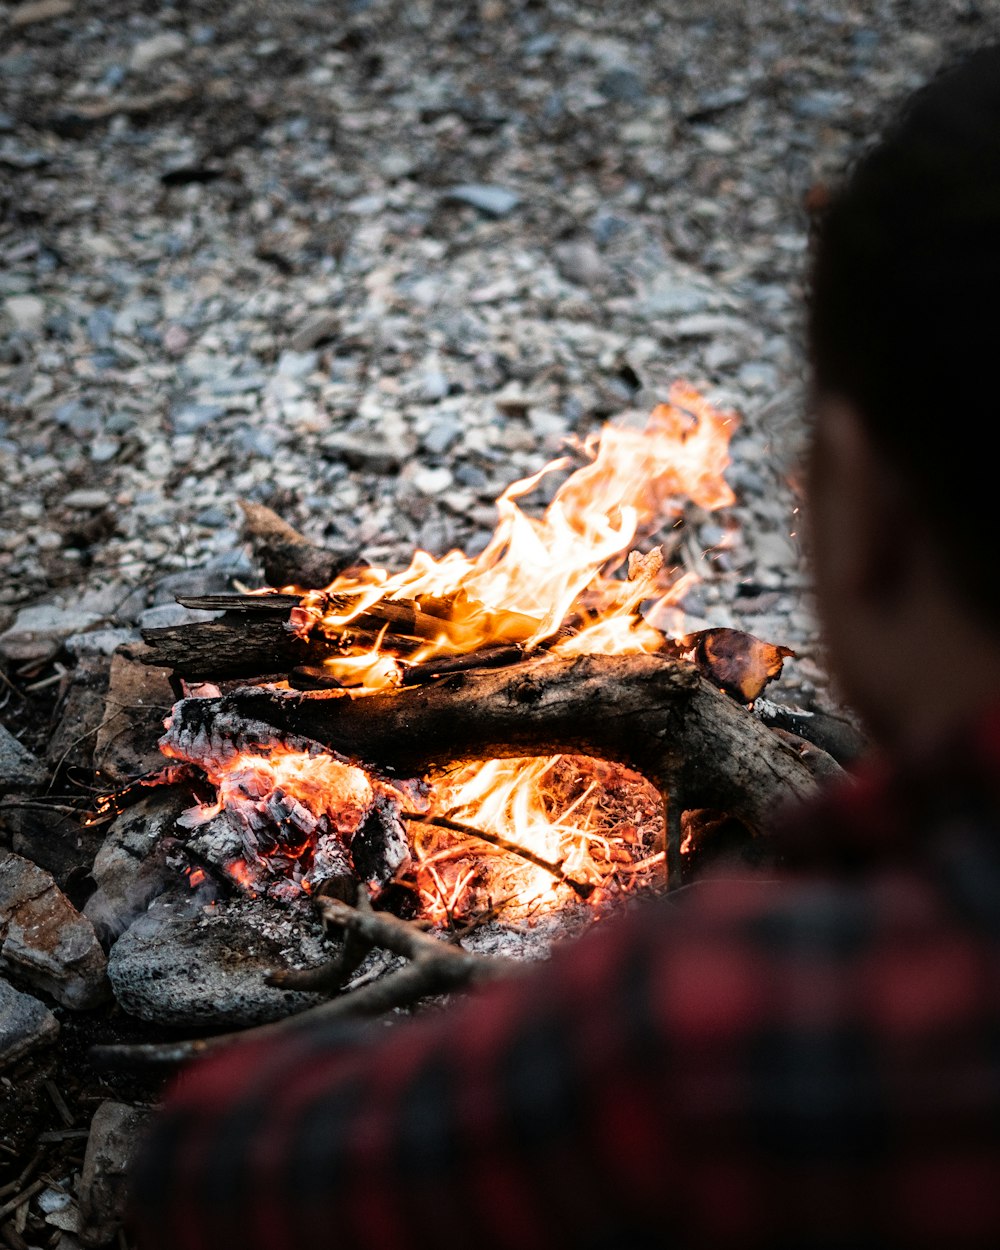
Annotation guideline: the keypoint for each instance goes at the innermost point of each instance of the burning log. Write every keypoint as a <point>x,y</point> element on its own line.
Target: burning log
<point>654,714</point>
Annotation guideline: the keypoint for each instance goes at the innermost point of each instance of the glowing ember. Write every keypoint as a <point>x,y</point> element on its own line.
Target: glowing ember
<point>556,828</point>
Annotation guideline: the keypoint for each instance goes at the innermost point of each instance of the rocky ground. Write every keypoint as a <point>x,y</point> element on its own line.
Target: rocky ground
<point>366,262</point>
<point>370,261</point>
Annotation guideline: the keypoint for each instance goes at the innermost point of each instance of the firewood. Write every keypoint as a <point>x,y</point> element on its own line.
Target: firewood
<point>288,557</point>
<point>254,645</point>
<point>652,713</point>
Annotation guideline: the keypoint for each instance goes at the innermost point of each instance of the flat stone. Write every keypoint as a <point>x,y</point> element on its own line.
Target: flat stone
<point>128,871</point>
<point>25,1024</point>
<point>442,436</point>
<point>88,500</point>
<point>81,713</point>
<point>581,263</point>
<point>139,698</point>
<point>100,641</point>
<point>493,201</point>
<point>319,328</point>
<point>159,47</point>
<point>176,966</point>
<point>26,312</point>
<point>115,1132</point>
<point>45,941</point>
<point>367,455</point>
<point>40,630</point>
<point>39,11</point>
<point>19,769</point>
<point>53,841</point>
<point>165,614</point>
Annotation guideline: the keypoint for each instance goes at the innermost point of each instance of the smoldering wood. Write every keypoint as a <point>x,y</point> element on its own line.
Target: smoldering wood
<point>257,646</point>
<point>487,657</point>
<point>652,713</point>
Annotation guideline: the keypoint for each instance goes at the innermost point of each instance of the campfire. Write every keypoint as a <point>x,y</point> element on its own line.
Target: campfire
<point>378,786</point>
<point>351,757</point>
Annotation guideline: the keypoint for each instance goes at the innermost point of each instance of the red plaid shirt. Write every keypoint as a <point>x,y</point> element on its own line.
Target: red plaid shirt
<point>807,1063</point>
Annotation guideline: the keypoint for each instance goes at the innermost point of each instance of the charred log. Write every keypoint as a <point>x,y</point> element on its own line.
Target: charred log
<point>254,645</point>
<point>651,713</point>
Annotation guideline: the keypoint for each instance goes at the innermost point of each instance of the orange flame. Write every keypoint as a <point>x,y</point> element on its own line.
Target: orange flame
<point>540,580</point>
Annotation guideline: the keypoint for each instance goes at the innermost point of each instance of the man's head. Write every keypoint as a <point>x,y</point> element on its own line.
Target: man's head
<point>903,333</point>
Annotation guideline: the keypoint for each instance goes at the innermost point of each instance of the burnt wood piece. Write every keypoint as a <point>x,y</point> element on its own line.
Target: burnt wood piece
<point>255,645</point>
<point>288,557</point>
<point>249,605</point>
<point>309,677</point>
<point>652,713</point>
<point>234,646</point>
<point>403,616</point>
<point>486,657</point>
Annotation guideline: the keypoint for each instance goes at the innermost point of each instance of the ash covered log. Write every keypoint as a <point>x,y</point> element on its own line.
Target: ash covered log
<point>657,715</point>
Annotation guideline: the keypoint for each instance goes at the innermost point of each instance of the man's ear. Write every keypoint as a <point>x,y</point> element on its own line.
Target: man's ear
<point>858,513</point>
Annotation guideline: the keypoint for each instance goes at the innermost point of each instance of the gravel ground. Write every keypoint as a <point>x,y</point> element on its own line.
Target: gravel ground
<point>370,261</point>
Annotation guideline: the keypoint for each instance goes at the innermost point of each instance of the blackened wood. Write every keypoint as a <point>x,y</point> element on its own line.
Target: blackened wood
<point>251,605</point>
<point>234,646</point>
<point>655,714</point>
<point>288,557</point>
<point>486,657</point>
<point>309,677</point>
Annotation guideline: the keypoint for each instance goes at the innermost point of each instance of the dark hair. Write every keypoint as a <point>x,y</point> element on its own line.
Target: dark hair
<point>904,317</point>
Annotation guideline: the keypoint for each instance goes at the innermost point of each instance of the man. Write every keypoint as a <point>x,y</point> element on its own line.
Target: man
<point>808,1062</point>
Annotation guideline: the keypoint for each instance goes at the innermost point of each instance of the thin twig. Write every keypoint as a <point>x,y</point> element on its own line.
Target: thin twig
<point>24,1196</point>
<point>582,888</point>
<point>435,967</point>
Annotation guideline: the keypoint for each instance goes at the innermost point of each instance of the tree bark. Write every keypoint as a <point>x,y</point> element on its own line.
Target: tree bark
<point>652,713</point>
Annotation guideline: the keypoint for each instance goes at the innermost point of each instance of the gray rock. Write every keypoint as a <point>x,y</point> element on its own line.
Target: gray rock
<point>100,323</point>
<point>168,43</point>
<point>581,263</point>
<point>190,418</point>
<point>139,696</point>
<point>318,328</point>
<point>127,878</point>
<point>622,85</point>
<point>39,630</point>
<point>165,614</point>
<point>492,200</point>
<point>668,298</point>
<point>99,641</point>
<point>26,313</point>
<point>25,1024</point>
<point>367,455</point>
<point>115,1132</point>
<point>19,769</point>
<point>45,941</point>
<point>88,500</point>
<point>821,105</point>
<point>442,435</point>
<point>179,966</point>
<point>79,418</point>
<point>434,386</point>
